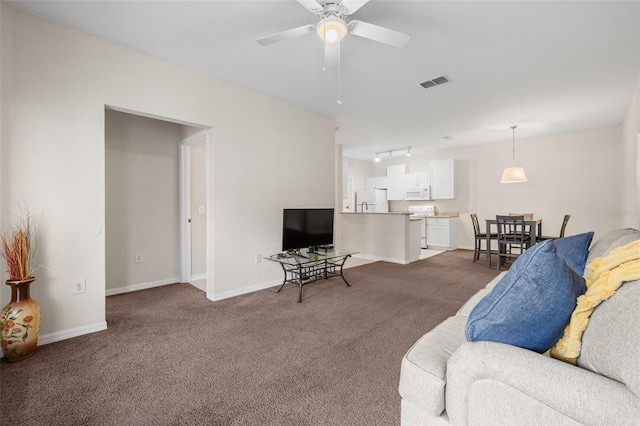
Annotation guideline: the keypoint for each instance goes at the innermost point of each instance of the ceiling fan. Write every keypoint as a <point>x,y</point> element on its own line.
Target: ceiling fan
<point>332,28</point>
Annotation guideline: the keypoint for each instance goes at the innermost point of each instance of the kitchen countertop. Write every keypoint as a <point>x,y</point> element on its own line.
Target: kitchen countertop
<point>389,213</point>
<point>446,214</point>
<point>440,215</point>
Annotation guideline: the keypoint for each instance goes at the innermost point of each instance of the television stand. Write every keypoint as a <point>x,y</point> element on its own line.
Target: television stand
<point>304,268</point>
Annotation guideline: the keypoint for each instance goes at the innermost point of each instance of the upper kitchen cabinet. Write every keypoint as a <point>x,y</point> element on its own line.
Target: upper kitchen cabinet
<point>379,182</point>
<point>396,182</point>
<point>443,182</point>
<point>413,180</point>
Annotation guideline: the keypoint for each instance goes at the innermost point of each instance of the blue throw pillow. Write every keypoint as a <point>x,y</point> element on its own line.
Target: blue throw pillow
<point>574,250</point>
<point>531,305</point>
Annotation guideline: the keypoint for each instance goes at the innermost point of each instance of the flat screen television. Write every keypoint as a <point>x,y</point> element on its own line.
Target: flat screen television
<point>306,228</point>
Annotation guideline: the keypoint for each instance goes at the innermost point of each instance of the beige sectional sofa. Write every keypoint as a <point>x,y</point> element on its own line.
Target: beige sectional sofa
<point>447,380</point>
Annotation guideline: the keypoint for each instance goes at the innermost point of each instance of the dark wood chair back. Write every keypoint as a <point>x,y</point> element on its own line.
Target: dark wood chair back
<point>511,230</point>
<point>476,224</point>
<point>564,224</point>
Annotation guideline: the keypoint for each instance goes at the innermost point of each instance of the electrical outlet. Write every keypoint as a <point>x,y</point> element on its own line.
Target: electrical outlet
<point>79,286</point>
<point>258,258</point>
<point>139,258</point>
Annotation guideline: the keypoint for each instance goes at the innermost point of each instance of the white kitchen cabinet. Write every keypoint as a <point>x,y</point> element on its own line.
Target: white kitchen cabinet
<point>378,182</point>
<point>443,182</point>
<point>442,233</point>
<point>413,180</point>
<point>414,240</point>
<point>396,181</point>
<point>424,179</point>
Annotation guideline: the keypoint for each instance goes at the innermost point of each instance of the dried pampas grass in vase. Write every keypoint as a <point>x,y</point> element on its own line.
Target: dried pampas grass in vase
<point>20,318</point>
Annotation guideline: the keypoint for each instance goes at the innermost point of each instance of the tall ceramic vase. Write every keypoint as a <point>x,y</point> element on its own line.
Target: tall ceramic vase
<point>20,321</point>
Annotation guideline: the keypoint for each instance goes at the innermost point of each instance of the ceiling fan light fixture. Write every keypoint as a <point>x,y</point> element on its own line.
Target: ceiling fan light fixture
<point>331,29</point>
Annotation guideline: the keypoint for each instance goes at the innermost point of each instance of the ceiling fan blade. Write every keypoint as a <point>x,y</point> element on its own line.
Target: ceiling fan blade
<point>331,56</point>
<point>311,5</point>
<point>353,5</point>
<point>377,33</point>
<point>284,35</point>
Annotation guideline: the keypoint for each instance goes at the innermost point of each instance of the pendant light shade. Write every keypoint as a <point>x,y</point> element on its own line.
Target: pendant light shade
<point>513,174</point>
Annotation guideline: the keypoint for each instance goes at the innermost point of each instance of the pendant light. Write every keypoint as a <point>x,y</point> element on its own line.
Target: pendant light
<point>513,174</point>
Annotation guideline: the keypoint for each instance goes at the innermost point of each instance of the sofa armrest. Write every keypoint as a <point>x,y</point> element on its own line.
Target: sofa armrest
<point>507,384</point>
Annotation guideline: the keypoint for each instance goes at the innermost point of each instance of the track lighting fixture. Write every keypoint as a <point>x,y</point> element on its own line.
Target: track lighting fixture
<point>391,151</point>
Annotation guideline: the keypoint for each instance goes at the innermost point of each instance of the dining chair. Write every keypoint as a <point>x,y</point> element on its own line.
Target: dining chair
<point>562,229</point>
<point>480,237</point>
<point>527,216</point>
<point>511,236</point>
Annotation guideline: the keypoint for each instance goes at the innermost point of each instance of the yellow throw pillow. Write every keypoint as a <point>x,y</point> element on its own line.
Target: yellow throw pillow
<point>607,275</point>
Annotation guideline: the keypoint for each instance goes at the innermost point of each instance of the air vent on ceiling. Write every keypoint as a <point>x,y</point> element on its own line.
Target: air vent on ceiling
<point>434,82</point>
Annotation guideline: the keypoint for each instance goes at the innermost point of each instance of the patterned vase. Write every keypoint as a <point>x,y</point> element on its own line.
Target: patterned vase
<point>20,321</point>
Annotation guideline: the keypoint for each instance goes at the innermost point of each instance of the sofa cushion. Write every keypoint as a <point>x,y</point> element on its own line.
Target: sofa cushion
<point>611,339</point>
<point>602,246</point>
<point>424,367</point>
<point>608,274</point>
<point>531,305</point>
<point>611,342</point>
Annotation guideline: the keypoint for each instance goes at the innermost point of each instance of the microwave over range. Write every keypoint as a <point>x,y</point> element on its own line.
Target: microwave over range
<point>418,193</point>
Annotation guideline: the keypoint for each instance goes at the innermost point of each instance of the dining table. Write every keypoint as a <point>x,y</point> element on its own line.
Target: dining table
<point>534,226</point>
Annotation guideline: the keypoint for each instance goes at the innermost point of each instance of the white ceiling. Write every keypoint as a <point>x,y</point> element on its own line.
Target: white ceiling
<point>549,67</point>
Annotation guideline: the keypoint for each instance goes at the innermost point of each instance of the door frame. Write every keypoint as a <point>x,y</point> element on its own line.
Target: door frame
<point>185,205</point>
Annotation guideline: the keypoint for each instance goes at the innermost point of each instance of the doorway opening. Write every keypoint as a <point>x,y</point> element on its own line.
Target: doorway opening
<point>145,214</point>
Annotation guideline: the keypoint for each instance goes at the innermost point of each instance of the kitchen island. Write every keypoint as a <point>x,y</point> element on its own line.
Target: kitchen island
<point>392,237</point>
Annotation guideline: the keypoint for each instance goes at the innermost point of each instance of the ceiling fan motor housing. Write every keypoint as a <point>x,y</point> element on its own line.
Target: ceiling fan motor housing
<point>333,9</point>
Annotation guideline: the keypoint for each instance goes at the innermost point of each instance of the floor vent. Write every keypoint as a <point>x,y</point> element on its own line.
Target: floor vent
<point>434,82</point>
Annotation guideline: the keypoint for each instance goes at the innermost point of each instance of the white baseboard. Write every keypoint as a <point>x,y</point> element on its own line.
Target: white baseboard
<point>199,277</point>
<point>241,291</point>
<point>141,286</point>
<point>384,259</point>
<point>45,339</point>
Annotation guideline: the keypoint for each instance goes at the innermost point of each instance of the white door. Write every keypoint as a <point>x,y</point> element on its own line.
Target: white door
<point>189,212</point>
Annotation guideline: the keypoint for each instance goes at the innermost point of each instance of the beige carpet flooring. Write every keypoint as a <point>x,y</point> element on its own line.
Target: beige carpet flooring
<point>172,357</point>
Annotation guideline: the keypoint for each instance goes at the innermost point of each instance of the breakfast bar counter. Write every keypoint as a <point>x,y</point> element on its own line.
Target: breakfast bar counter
<point>392,237</point>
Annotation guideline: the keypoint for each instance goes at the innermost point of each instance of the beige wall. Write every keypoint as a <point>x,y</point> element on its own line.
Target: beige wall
<point>578,173</point>
<point>265,155</point>
<point>3,113</point>
<point>359,170</point>
<point>630,210</point>
<point>142,200</point>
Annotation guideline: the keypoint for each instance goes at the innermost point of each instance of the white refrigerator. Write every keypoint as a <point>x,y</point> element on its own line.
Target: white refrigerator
<point>372,200</point>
